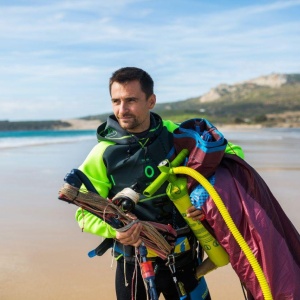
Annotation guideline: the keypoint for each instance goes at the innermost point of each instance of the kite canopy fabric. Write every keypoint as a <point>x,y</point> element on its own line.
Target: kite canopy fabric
<point>205,143</point>
<point>260,219</point>
<point>255,211</point>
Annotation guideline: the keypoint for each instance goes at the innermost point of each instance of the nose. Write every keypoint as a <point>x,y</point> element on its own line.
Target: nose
<point>123,108</point>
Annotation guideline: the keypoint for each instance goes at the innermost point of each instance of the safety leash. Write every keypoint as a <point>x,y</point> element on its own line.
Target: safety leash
<point>179,285</point>
<point>147,272</point>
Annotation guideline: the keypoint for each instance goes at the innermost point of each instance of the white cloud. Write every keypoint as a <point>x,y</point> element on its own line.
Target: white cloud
<point>68,49</point>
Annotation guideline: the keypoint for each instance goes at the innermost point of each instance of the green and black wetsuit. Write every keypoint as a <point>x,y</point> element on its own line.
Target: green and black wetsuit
<point>120,160</point>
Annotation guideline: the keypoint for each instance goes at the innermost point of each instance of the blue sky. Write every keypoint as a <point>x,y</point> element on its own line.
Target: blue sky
<point>56,56</point>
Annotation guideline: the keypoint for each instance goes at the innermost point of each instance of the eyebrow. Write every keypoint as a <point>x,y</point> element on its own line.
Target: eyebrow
<point>127,98</point>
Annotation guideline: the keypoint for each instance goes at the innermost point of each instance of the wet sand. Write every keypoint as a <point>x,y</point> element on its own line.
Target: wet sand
<point>43,253</point>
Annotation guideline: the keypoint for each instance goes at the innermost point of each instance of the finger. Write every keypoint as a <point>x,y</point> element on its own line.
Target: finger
<point>199,218</point>
<point>135,238</point>
<point>199,215</point>
<point>136,233</point>
<point>136,244</point>
<point>133,241</point>
<point>193,211</point>
<point>131,216</point>
<point>131,236</point>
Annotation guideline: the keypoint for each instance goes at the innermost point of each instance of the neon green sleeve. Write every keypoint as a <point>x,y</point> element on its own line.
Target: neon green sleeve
<point>171,126</point>
<point>95,169</point>
<point>234,149</point>
<point>92,224</point>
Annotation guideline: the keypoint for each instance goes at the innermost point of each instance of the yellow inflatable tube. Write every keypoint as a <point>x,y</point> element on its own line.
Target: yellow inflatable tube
<point>177,191</point>
<point>179,195</point>
<point>229,222</point>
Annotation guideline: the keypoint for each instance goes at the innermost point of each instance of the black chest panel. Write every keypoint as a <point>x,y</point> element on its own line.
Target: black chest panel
<point>134,163</point>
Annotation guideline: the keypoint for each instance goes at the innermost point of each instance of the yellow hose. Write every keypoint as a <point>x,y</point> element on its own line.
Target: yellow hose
<point>232,227</point>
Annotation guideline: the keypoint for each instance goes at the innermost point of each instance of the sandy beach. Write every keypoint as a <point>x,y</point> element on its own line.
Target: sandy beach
<point>43,252</point>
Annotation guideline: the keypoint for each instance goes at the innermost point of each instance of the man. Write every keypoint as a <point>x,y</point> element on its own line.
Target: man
<point>132,143</point>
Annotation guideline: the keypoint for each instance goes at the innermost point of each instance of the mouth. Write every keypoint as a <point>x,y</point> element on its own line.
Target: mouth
<point>124,118</point>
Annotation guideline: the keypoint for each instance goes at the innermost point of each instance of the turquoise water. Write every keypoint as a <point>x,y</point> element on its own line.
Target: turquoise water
<point>15,139</point>
<point>283,143</point>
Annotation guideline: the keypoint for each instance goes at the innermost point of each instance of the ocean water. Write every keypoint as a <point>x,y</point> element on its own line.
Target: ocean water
<point>16,139</point>
<point>266,148</point>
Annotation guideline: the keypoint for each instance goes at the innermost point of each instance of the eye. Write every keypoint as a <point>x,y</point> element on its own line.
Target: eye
<point>115,101</point>
<point>131,100</point>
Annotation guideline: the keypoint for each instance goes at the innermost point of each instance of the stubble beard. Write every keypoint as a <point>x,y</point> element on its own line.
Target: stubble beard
<point>129,124</point>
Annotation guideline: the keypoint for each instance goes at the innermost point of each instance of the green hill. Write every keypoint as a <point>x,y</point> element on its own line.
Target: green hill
<point>33,125</point>
<point>249,102</point>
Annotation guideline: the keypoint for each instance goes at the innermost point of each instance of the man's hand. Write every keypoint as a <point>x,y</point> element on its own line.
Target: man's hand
<point>131,236</point>
<point>195,213</point>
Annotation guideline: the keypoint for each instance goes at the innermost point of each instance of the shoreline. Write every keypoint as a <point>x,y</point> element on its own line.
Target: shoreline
<point>84,124</point>
<point>79,124</point>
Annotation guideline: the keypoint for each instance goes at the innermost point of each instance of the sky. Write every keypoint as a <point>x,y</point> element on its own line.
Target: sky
<point>56,57</point>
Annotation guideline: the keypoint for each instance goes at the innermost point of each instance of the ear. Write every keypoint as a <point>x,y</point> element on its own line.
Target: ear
<point>151,101</point>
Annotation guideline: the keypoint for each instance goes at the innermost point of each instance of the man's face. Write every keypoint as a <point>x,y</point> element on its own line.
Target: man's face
<point>130,106</point>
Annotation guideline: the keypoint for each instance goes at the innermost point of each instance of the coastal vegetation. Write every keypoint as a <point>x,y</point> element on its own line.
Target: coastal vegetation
<point>32,125</point>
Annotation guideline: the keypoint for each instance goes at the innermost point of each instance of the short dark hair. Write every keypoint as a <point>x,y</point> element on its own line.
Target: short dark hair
<point>127,74</point>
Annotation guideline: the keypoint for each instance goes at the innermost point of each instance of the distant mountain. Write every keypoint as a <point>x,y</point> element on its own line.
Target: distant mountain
<point>267,100</point>
<point>272,100</point>
<point>271,81</point>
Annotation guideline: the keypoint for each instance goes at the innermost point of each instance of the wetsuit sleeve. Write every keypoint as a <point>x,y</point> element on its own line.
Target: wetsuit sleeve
<point>171,126</point>
<point>234,149</point>
<point>95,169</point>
<point>92,224</point>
